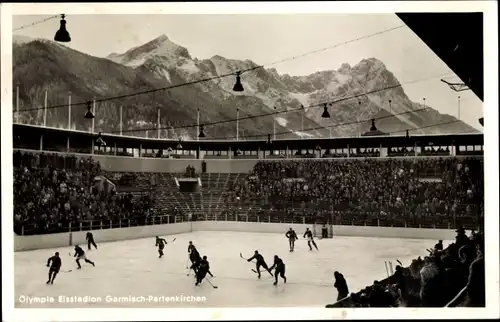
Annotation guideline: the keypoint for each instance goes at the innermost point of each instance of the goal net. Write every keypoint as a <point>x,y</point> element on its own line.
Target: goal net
<point>317,230</point>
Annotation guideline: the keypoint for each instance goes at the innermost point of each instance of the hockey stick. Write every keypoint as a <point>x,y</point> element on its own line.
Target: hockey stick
<point>214,286</point>
<point>241,255</point>
<point>69,270</point>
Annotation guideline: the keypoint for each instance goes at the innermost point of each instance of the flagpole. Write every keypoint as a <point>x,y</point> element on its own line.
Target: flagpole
<point>93,111</point>
<point>45,108</point>
<point>69,111</point>
<point>121,119</point>
<point>302,122</point>
<point>274,126</point>
<point>237,123</point>
<point>198,126</point>
<point>158,123</point>
<point>17,103</point>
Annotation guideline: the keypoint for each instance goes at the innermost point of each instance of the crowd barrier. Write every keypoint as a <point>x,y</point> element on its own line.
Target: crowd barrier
<point>23,243</point>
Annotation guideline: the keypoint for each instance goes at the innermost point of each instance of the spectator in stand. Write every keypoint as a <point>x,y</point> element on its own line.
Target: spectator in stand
<point>341,286</point>
<point>476,283</point>
<point>453,277</point>
<point>52,192</point>
<point>418,192</point>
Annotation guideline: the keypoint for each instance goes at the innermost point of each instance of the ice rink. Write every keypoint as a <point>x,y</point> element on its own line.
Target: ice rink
<point>132,269</point>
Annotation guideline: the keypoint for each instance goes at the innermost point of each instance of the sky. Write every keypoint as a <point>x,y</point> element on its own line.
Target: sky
<point>269,38</point>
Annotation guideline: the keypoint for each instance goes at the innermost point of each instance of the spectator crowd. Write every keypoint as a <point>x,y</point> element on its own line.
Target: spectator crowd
<point>451,277</point>
<point>53,192</point>
<point>414,189</point>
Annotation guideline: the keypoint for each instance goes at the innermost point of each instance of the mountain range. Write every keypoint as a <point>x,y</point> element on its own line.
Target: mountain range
<point>41,66</point>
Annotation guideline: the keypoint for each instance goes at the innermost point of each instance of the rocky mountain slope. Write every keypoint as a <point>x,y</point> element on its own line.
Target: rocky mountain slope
<point>43,64</point>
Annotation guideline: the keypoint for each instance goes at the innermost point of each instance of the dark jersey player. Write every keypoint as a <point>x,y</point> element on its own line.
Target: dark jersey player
<point>54,263</point>
<point>292,237</point>
<point>90,240</point>
<point>80,254</point>
<point>203,268</point>
<point>310,240</point>
<point>260,262</point>
<point>160,243</point>
<point>194,256</point>
<point>279,269</point>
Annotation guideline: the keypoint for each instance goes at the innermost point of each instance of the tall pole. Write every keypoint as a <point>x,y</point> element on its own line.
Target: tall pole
<point>69,111</point>
<point>121,119</point>
<point>358,125</point>
<point>459,108</point>
<point>357,119</point>
<point>237,124</point>
<point>198,126</point>
<point>302,122</point>
<point>274,126</point>
<point>93,120</point>
<point>45,108</point>
<point>158,123</point>
<point>17,103</point>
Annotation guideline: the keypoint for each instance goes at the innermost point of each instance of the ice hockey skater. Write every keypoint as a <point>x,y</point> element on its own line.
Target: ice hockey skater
<point>54,263</point>
<point>279,267</point>
<point>160,243</point>
<point>80,254</point>
<point>310,240</point>
<point>203,268</point>
<point>194,256</point>
<point>292,237</point>
<point>90,240</point>
<point>260,262</point>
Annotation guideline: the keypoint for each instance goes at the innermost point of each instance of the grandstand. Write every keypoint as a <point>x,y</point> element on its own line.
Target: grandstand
<point>377,181</point>
<point>300,190</point>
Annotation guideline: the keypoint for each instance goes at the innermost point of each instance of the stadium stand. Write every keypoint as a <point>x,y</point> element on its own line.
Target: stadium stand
<point>434,188</point>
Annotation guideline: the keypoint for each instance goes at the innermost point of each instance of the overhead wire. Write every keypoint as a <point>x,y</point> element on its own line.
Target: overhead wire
<point>349,123</point>
<point>277,112</point>
<point>215,77</point>
<point>245,71</point>
<point>335,125</point>
<point>35,23</point>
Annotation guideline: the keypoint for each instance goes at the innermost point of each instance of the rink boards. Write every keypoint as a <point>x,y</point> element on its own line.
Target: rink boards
<point>22,243</point>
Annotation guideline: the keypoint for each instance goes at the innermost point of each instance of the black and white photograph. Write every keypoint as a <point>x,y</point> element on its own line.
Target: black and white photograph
<point>250,161</point>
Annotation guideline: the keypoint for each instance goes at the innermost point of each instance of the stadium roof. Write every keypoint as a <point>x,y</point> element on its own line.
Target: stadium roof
<point>456,38</point>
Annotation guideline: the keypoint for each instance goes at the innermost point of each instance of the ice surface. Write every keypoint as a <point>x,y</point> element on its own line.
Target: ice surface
<point>133,268</point>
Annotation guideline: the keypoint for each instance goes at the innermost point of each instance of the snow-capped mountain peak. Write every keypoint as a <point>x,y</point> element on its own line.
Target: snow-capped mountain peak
<point>161,46</point>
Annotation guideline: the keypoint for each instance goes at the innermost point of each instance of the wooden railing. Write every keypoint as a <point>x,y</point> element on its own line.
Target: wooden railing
<point>29,229</point>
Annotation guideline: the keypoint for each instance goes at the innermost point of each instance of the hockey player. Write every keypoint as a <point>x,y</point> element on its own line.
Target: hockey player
<point>203,268</point>
<point>194,256</point>
<point>260,262</point>
<point>310,240</point>
<point>81,255</point>
<point>292,237</point>
<point>54,263</point>
<point>90,240</point>
<point>280,269</point>
<point>160,243</point>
